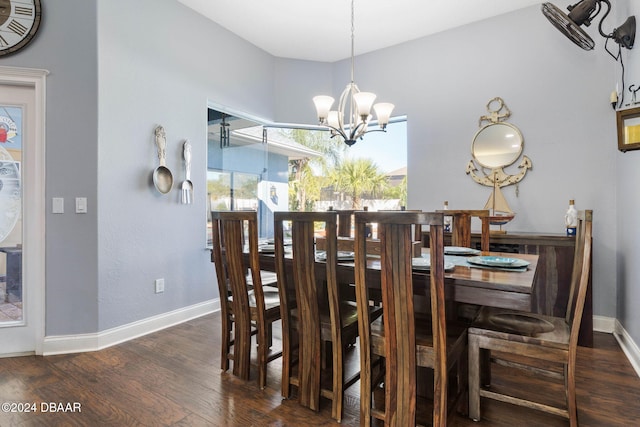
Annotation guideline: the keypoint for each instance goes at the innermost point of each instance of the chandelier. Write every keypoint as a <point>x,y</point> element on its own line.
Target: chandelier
<point>352,119</point>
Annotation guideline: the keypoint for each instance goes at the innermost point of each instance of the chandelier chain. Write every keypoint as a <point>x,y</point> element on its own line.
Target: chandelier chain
<point>353,30</point>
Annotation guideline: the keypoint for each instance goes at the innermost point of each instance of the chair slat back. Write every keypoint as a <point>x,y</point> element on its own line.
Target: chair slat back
<point>417,228</point>
<point>395,233</point>
<point>581,273</point>
<point>309,293</point>
<point>461,226</point>
<point>228,238</point>
<point>344,222</point>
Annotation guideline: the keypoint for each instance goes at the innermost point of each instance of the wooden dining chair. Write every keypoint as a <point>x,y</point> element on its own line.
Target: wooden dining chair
<point>403,342</point>
<point>246,308</point>
<point>315,320</point>
<point>461,226</point>
<point>540,339</point>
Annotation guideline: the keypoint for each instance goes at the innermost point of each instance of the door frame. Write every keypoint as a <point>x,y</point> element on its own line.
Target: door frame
<point>34,206</point>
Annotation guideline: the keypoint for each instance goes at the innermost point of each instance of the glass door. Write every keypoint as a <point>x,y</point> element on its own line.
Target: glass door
<point>22,211</point>
<point>11,137</point>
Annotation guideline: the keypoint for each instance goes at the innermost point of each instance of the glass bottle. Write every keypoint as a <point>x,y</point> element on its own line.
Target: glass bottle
<point>571,219</point>
<point>447,219</point>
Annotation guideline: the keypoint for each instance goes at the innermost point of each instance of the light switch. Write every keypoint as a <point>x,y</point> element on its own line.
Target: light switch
<point>58,205</point>
<point>81,205</point>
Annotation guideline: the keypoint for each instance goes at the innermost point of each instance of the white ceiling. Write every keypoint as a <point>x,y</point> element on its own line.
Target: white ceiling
<point>320,30</point>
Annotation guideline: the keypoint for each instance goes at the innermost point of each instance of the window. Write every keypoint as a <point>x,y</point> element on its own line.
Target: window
<point>273,168</point>
<point>372,173</point>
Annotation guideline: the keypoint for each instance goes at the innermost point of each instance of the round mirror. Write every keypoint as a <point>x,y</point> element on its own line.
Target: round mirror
<point>497,145</point>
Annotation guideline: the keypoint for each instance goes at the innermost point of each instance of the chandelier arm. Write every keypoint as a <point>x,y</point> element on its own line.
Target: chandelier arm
<point>357,132</point>
<point>376,130</point>
<point>336,131</point>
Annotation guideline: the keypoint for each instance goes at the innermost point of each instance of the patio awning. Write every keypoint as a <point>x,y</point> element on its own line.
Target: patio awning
<point>277,142</point>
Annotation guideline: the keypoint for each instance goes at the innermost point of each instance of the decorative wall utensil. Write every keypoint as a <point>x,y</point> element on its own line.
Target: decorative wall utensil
<point>162,177</point>
<point>187,186</point>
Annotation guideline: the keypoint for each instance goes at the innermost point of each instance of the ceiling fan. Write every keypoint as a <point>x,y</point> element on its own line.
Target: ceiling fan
<point>582,13</point>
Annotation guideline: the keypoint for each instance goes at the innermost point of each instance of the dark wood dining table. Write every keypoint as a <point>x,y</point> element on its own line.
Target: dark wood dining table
<point>496,287</point>
<point>464,283</point>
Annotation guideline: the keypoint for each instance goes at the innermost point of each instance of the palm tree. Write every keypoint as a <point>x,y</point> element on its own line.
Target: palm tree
<point>397,192</point>
<point>304,185</point>
<point>304,189</point>
<point>357,177</point>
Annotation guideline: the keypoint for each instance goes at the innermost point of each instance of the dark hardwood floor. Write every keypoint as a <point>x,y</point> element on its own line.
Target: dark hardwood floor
<point>173,378</point>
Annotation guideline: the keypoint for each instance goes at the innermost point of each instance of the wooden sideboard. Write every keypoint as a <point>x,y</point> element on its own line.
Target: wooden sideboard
<point>551,289</point>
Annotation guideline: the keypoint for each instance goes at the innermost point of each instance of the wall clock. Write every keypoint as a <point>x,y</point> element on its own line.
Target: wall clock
<point>19,22</point>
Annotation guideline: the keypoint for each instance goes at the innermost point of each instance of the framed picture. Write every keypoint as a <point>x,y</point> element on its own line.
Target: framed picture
<point>628,129</point>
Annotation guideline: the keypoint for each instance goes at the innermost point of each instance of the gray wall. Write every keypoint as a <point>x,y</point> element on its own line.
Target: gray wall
<point>628,206</point>
<point>164,75</point>
<point>114,77</point>
<point>559,98</point>
<point>109,88</point>
<point>69,52</point>
<point>558,95</point>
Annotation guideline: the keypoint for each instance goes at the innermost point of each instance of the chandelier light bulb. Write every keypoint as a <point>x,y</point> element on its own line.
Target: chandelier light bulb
<point>323,105</point>
<point>364,101</point>
<point>383,113</point>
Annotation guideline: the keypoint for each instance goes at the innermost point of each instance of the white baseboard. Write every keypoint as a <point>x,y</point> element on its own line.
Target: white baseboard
<point>611,325</point>
<point>604,324</point>
<point>63,344</point>
<point>629,347</point>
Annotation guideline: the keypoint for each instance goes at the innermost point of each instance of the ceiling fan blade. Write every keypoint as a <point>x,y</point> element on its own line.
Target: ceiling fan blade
<point>570,29</point>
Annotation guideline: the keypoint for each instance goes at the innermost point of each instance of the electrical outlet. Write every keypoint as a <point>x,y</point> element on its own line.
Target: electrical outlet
<point>159,286</point>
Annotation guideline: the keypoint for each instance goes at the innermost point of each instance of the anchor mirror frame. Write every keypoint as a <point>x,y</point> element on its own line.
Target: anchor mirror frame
<point>492,174</point>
